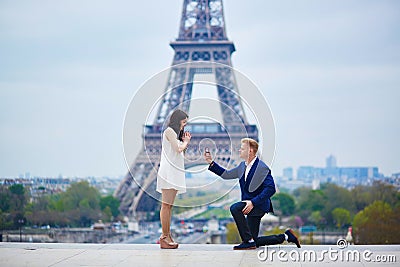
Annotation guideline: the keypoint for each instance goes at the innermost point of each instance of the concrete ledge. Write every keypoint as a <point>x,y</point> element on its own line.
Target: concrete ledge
<point>72,254</point>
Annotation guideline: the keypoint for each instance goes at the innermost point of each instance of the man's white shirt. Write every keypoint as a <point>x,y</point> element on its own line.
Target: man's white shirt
<point>248,167</point>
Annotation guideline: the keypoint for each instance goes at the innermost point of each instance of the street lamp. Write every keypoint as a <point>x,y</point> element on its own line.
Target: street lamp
<point>20,222</point>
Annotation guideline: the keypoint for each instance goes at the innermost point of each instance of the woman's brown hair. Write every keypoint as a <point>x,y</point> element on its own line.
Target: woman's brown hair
<point>175,122</point>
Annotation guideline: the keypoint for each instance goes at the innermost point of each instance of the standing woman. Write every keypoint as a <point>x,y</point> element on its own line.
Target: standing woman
<point>171,174</point>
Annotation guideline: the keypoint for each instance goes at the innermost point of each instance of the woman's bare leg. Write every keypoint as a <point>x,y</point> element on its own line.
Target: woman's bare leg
<point>167,197</point>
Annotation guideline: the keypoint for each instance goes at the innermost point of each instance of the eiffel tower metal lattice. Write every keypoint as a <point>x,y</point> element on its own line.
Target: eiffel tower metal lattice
<point>203,45</point>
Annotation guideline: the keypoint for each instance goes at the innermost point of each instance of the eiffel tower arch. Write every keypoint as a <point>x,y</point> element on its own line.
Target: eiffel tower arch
<point>202,47</point>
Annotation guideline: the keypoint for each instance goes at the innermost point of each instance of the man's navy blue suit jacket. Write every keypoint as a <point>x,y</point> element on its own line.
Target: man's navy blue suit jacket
<point>259,185</point>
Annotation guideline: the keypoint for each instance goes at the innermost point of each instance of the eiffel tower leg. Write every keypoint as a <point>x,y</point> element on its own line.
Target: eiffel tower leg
<point>139,179</point>
<point>151,179</point>
<point>227,92</point>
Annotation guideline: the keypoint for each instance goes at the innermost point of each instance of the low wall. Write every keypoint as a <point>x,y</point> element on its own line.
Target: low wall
<point>65,236</point>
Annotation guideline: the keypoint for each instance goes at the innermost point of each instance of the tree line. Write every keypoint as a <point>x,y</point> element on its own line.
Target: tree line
<point>372,211</point>
<point>79,206</point>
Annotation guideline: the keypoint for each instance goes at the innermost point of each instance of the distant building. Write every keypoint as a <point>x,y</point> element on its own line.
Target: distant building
<point>394,180</point>
<point>396,175</point>
<point>39,186</point>
<point>349,177</point>
<point>331,162</point>
<point>315,184</point>
<point>344,176</point>
<point>309,173</point>
<point>288,173</point>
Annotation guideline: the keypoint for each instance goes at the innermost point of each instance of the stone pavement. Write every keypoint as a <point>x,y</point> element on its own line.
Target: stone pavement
<point>119,255</point>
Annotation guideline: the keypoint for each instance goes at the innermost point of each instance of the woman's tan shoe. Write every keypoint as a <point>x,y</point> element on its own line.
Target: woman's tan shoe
<point>165,244</point>
<point>172,240</point>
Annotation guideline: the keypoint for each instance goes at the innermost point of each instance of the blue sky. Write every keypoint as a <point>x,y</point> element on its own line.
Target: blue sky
<point>330,71</point>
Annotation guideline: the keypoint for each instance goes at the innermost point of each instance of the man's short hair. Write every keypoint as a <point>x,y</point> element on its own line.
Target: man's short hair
<point>252,143</point>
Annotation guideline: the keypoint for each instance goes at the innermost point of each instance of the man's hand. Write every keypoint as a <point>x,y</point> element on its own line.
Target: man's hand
<point>207,157</point>
<point>249,206</point>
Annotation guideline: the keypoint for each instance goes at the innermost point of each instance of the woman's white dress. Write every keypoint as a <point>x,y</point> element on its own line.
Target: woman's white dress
<point>171,173</point>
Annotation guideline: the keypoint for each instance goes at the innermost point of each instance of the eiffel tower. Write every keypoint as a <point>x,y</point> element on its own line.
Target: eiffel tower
<point>202,47</point>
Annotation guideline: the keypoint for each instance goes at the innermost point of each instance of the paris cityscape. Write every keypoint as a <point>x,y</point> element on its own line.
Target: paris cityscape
<point>89,91</point>
<point>306,177</point>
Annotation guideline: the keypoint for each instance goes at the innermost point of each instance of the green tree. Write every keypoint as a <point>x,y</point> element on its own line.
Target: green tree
<point>18,198</point>
<point>385,192</point>
<point>366,195</point>
<point>301,191</point>
<point>85,214</point>
<point>112,203</point>
<point>82,203</point>
<point>232,234</point>
<point>310,201</point>
<point>5,221</point>
<point>79,205</point>
<point>37,211</point>
<point>341,217</point>
<point>315,217</point>
<point>17,189</point>
<point>377,224</point>
<point>12,202</point>
<point>5,197</point>
<point>78,192</point>
<point>316,200</point>
<point>338,197</point>
<point>56,202</point>
<point>286,203</point>
<point>361,197</point>
<point>107,214</point>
